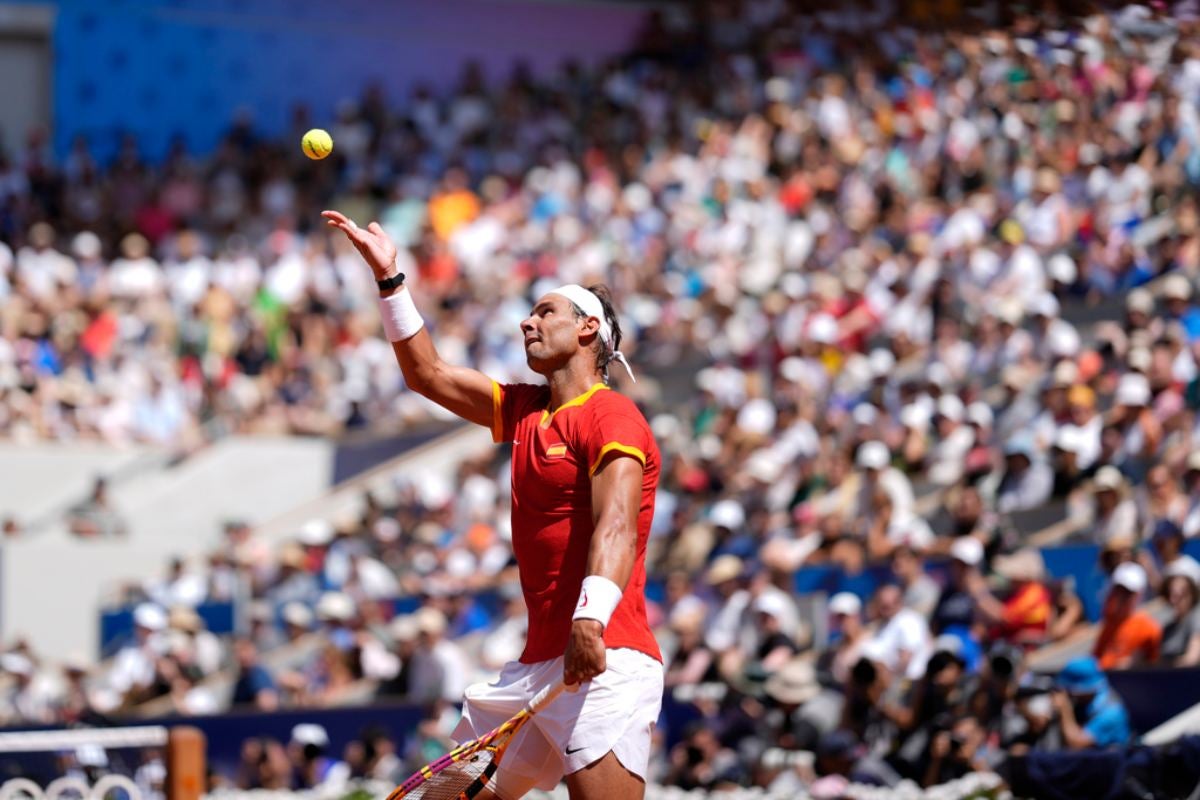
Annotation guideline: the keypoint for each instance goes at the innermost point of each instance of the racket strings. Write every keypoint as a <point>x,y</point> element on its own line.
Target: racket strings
<point>455,778</point>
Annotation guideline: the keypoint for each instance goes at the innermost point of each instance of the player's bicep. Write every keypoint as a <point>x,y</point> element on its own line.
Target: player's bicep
<point>617,490</point>
<point>468,393</point>
<point>463,391</point>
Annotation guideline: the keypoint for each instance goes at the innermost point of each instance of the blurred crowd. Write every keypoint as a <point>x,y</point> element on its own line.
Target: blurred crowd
<point>937,284</point>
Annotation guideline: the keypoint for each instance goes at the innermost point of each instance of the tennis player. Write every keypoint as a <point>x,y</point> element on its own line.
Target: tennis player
<point>584,471</point>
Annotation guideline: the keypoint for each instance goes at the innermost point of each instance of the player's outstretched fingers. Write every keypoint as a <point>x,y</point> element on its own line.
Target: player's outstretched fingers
<point>376,229</point>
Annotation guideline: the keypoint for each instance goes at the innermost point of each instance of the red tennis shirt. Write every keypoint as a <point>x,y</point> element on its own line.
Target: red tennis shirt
<point>553,459</point>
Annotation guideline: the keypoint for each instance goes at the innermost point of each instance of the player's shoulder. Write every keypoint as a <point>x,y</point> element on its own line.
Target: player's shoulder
<point>526,394</point>
<point>610,401</point>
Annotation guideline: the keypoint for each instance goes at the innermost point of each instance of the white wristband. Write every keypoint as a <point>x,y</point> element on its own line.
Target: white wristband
<point>597,599</point>
<point>401,320</point>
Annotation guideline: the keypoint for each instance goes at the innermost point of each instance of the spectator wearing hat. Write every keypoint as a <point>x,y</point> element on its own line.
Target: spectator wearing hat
<point>133,670</point>
<point>1132,415</point>
<point>774,646</point>
<point>1090,713</point>
<point>26,699</point>
<point>954,440</point>
<point>439,668</point>
<point>1113,513</point>
<point>1024,615</point>
<point>1128,636</point>
<point>1181,634</point>
<point>956,606</point>
<point>1027,481</point>
<point>1083,418</point>
<point>1165,552</point>
<point>847,634</point>
<point>310,752</point>
<point>874,459</point>
<point>724,577</point>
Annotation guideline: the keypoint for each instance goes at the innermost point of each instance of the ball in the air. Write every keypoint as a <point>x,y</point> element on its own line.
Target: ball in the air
<point>317,144</point>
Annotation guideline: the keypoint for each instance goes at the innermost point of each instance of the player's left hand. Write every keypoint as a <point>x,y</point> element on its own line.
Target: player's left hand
<point>585,657</point>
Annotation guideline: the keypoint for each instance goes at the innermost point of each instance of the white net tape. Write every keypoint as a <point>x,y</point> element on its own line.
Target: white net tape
<point>108,738</point>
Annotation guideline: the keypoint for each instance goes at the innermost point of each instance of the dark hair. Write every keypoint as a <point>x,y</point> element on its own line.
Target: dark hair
<point>604,352</point>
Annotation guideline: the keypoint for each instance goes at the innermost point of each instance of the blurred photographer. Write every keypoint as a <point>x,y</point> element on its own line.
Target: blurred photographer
<point>930,708</point>
<point>956,752</point>
<point>1089,712</point>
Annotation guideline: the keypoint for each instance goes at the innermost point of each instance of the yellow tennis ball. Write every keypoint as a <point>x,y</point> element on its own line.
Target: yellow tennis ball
<point>317,144</point>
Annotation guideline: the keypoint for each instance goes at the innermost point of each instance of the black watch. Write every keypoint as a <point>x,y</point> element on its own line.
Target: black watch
<point>392,282</point>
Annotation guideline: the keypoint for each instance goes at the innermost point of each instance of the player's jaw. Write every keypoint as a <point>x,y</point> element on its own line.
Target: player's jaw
<point>550,334</point>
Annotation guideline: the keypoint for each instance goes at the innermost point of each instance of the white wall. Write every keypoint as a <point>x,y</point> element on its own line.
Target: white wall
<point>51,583</point>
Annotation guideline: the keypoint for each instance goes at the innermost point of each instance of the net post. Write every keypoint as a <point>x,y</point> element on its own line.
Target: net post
<point>186,767</point>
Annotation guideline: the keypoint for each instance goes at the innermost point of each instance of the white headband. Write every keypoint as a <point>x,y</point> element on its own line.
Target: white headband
<point>590,304</point>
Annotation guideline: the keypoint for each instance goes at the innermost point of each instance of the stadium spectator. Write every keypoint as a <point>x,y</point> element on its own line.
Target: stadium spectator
<point>1181,634</point>
<point>1128,635</point>
<point>254,684</point>
<point>313,766</point>
<point>96,516</point>
<point>1089,712</point>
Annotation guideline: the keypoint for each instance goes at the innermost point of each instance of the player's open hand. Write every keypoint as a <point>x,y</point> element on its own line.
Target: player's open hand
<point>371,242</point>
<point>585,657</point>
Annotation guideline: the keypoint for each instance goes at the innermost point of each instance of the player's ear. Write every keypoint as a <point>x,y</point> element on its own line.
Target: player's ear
<point>589,326</point>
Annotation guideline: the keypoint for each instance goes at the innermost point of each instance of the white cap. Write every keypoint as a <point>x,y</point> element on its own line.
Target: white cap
<point>1184,567</point>
<point>1140,300</point>
<point>914,415</point>
<point>873,455</point>
<point>1176,287</point>
<point>757,416</point>
<point>430,620</point>
<point>310,733</point>
<point>1139,359</point>
<point>968,550</point>
<point>727,514</point>
<point>297,614</point>
<point>770,604</point>
<point>1133,390</point>
<point>865,414</point>
<point>316,533</point>
<point>150,617</point>
<point>403,628</point>
<point>845,603</point>
<point>1108,478</point>
<point>1070,439</point>
<point>1130,576</point>
<point>881,362</point>
<point>822,329</point>
<point>335,606</point>
<point>1061,268</point>
<point>1044,305</point>
<point>980,413</point>
<point>950,407</point>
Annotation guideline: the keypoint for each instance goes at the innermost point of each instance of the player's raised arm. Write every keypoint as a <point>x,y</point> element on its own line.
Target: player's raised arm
<point>465,392</point>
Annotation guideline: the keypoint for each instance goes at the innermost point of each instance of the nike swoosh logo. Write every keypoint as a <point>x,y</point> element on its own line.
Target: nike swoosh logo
<point>572,752</point>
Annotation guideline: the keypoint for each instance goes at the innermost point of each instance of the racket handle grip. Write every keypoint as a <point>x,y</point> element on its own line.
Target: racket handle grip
<point>546,696</point>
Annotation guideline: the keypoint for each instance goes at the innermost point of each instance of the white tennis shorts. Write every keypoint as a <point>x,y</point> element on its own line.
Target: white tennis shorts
<point>614,711</point>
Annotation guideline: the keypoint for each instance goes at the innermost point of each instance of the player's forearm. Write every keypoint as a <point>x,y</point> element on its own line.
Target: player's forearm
<point>612,553</point>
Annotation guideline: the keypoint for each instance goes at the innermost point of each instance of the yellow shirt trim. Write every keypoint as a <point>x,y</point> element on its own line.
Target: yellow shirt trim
<point>497,417</point>
<point>616,447</point>
<point>548,415</point>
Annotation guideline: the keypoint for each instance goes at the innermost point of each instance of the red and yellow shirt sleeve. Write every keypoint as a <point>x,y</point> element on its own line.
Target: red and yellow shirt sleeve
<point>611,431</point>
<point>510,402</point>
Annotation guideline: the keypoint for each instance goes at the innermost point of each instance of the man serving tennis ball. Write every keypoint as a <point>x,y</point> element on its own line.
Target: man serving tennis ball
<point>584,471</point>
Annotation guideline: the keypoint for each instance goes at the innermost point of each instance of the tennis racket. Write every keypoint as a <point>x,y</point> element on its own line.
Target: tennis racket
<point>462,773</point>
